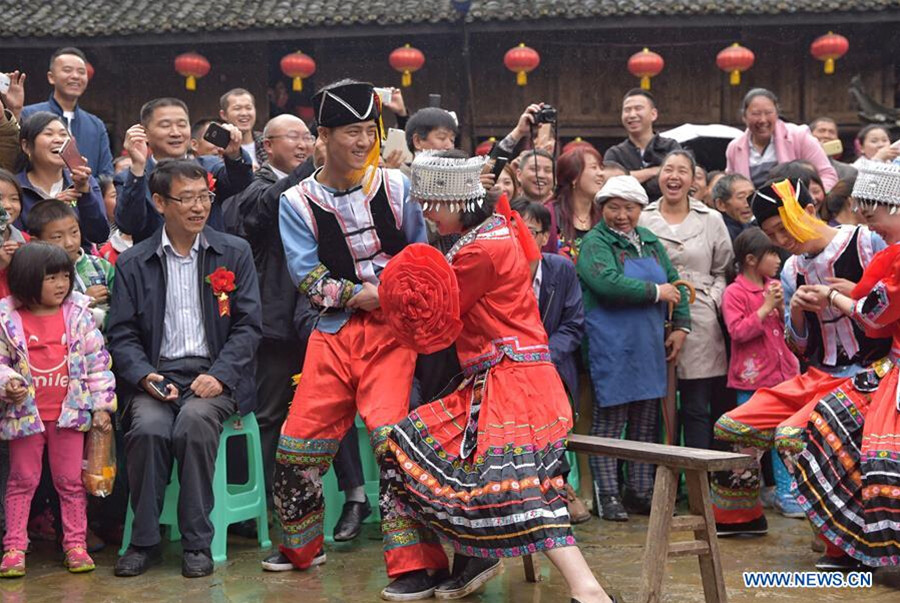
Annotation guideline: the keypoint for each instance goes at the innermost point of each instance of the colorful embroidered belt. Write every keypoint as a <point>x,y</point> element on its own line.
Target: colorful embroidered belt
<point>509,348</point>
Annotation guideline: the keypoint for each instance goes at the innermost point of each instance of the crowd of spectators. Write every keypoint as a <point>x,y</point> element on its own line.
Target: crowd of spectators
<point>618,230</point>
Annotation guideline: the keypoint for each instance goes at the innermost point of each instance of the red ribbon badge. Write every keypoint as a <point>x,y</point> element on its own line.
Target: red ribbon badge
<point>222,283</point>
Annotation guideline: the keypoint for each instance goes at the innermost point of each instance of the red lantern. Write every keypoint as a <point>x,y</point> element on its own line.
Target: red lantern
<point>577,143</point>
<point>90,70</point>
<point>734,60</point>
<point>485,147</point>
<point>645,64</point>
<point>191,65</point>
<point>829,48</point>
<point>406,59</point>
<point>297,66</point>
<point>522,60</point>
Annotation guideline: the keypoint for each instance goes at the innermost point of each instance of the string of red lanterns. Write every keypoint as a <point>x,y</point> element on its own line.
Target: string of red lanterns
<point>522,60</point>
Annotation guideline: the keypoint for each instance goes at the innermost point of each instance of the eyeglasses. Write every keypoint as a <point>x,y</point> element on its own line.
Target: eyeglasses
<point>201,199</point>
<point>293,137</point>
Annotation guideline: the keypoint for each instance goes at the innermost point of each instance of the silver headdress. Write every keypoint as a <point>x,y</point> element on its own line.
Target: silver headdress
<point>447,180</point>
<point>878,182</point>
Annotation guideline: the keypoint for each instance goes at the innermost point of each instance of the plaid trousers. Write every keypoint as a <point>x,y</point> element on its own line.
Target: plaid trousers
<point>642,419</point>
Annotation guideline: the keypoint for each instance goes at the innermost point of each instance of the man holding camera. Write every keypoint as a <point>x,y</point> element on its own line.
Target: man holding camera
<point>643,151</point>
<point>535,167</point>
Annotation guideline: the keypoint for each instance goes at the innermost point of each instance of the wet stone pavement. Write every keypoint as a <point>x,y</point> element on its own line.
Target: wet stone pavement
<point>354,573</point>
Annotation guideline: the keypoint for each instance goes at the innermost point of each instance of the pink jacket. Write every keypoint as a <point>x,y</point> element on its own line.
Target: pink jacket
<point>791,142</point>
<point>759,355</point>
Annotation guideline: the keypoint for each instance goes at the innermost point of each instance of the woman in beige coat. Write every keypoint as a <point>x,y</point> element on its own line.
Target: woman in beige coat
<point>697,241</point>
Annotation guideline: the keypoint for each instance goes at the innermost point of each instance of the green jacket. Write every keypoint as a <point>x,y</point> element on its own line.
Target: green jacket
<point>601,266</point>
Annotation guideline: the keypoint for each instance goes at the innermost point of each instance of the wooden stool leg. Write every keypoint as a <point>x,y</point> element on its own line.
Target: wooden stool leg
<point>711,563</point>
<point>531,569</point>
<point>657,549</point>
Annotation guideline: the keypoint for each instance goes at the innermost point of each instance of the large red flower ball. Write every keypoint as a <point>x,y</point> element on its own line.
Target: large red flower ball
<point>420,298</point>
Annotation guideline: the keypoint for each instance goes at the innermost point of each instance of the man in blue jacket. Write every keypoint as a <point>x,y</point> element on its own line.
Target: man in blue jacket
<point>165,133</point>
<point>68,76</point>
<point>562,312</point>
<point>184,326</point>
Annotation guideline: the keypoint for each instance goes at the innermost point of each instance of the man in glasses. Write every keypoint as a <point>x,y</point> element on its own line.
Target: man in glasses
<point>184,345</point>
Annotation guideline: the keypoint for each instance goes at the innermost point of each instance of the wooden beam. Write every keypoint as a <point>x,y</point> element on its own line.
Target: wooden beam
<point>658,454</point>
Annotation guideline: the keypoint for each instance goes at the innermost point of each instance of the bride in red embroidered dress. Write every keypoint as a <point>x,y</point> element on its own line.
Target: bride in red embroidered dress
<point>483,467</point>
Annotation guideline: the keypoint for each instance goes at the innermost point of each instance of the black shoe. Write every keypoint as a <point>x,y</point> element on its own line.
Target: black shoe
<point>611,598</point>
<point>137,560</point>
<point>469,574</point>
<point>278,562</point>
<point>349,525</point>
<point>611,508</point>
<point>844,563</point>
<point>244,529</point>
<point>636,503</point>
<point>755,527</point>
<point>413,586</point>
<point>196,564</point>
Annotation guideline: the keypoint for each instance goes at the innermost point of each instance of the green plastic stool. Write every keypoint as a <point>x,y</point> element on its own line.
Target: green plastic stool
<point>334,498</point>
<point>574,477</point>
<point>233,502</point>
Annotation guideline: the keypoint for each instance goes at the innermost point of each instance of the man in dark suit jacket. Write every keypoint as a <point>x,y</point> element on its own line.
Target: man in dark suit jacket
<point>184,326</point>
<point>562,312</point>
<point>165,133</point>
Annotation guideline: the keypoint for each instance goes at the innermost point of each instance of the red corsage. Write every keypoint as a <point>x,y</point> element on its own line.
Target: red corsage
<point>222,283</point>
<point>210,182</point>
<point>420,298</point>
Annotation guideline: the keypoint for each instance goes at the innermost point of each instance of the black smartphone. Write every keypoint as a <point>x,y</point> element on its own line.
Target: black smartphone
<point>161,387</point>
<point>217,135</point>
<point>499,164</point>
<point>434,100</point>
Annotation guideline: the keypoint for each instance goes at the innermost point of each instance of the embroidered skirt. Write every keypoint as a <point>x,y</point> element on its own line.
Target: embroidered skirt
<point>848,477</point>
<point>506,498</point>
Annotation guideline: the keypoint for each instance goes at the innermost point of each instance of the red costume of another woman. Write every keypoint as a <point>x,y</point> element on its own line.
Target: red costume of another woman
<point>848,477</point>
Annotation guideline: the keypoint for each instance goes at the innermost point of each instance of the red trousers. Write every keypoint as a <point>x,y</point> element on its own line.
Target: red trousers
<point>773,416</point>
<point>360,369</point>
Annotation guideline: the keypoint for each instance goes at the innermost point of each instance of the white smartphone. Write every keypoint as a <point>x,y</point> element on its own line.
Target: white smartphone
<point>385,94</point>
<point>396,140</point>
<point>4,83</point>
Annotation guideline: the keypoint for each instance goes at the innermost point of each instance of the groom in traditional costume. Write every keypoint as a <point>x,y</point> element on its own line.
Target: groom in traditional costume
<point>340,228</point>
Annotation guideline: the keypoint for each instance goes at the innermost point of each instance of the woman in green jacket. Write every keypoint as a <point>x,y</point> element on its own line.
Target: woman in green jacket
<point>627,281</point>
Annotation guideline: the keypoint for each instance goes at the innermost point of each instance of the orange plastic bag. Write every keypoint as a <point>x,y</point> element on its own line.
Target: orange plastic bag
<point>98,469</point>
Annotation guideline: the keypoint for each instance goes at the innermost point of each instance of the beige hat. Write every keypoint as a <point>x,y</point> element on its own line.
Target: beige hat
<point>623,187</point>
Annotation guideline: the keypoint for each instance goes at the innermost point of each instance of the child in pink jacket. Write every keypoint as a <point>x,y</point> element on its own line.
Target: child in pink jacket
<point>753,308</point>
<point>55,381</point>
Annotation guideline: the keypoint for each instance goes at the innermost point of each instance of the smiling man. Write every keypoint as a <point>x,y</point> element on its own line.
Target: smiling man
<point>340,228</point>
<point>238,108</point>
<point>165,133</point>
<point>643,151</point>
<point>68,76</point>
<point>187,357</point>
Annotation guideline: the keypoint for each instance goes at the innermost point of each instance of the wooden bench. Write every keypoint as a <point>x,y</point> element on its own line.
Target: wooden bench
<point>670,461</point>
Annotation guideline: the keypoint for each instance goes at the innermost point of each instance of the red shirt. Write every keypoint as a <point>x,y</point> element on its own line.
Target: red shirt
<point>48,358</point>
